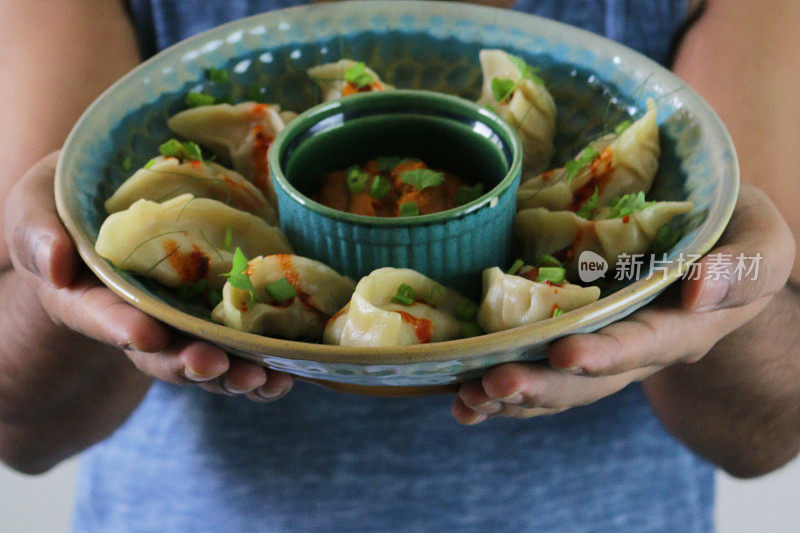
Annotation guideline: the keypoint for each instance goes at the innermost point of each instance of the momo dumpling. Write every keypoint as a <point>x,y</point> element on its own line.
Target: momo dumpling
<point>345,77</point>
<point>613,165</point>
<point>294,298</point>
<point>521,98</point>
<point>184,240</point>
<point>164,178</point>
<point>240,133</point>
<point>398,307</point>
<point>628,227</point>
<point>511,300</point>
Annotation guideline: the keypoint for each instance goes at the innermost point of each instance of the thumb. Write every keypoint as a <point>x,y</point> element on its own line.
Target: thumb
<point>36,238</point>
<point>754,259</point>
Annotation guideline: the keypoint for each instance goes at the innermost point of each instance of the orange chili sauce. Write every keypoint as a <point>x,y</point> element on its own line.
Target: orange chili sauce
<point>334,192</point>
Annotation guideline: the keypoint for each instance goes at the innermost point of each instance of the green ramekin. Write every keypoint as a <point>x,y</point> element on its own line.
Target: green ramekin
<point>447,132</point>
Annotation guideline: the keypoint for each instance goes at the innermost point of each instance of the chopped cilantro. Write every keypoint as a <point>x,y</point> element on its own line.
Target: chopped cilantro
<point>466,194</point>
<point>622,126</point>
<point>358,75</point>
<point>356,180</point>
<point>198,99</point>
<point>217,74</point>
<point>586,156</point>
<point>409,209</point>
<point>380,187</point>
<point>238,276</point>
<point>404,296</point>
<point>151,162</point>
<point>525,70</point>
<point>280,290</point>
<point>551,274</point>
<point>589,207</point>
<point>470,329</point>
<point>422,178</point>
<point>387,164</point>
<point>515,267</point>
<point>557,311</point>
<point>466,311</point>
<point>627,205</point>
<point>502,89</point>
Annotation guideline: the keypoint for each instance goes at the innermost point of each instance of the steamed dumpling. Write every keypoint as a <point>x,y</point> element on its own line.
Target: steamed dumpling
<point>320,292</point>
<point>372,319</point>
<point>514,300</point>
<point>529,108</point>
<point>563,233</point>
<point>331,79</point>
<point>183,240</point>
<point>623,164</point>
<point>167,177</point>
<point>240,133</point>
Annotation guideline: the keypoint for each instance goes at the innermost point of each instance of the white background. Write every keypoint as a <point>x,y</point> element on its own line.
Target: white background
<point>772,503</point>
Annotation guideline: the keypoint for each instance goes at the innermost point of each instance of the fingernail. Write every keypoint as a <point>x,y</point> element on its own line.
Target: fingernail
<point>490,407</point>
<point>230,387</point>
<point>478,419</point>
<point>577,370</point>
<point>515,398</point>
<point>714,291</point>
<point>41,256</point>
<point>268,394</point>
<point>198,377</point>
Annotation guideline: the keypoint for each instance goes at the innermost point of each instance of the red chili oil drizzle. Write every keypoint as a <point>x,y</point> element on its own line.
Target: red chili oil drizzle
<point>291,275</point>
<point>260,164</point>
<point>190,267</point>
<point>423,328</point>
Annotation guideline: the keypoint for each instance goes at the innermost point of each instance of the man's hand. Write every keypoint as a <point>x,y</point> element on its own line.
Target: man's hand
<point>44,257</point>
<point>679,328</point>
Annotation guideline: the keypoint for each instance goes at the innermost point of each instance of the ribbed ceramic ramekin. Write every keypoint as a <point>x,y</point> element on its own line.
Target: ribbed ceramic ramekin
<point>452,246</point>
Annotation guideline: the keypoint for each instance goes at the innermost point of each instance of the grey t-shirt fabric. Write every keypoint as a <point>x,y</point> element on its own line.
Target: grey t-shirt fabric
<point>318,460</point>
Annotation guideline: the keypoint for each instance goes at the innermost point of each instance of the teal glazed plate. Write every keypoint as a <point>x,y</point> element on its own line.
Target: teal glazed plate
<point>595,82</point>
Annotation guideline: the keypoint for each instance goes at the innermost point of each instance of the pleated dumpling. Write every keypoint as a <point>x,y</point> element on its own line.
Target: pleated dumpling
<point>345,77</point>
<point>511,300</point>
<point>629,227</point>
<point>241,134</point>
<point>614,165</point>
<point>521,98</point>
<point>184,240</point>
<point>397,307</point>
<point>294,298</point>
<point>164,178</point>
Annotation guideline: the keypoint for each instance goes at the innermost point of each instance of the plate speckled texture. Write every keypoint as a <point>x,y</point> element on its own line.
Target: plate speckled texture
<point>596,83</point>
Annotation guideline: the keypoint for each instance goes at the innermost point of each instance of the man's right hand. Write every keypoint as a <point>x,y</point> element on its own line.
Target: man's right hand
<point>46,260</point>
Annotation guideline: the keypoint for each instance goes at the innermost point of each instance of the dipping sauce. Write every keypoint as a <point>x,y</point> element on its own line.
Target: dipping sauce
<point>394,187</point>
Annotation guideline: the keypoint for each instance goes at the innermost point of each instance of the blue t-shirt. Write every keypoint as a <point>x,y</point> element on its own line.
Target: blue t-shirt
<point>319,460</point>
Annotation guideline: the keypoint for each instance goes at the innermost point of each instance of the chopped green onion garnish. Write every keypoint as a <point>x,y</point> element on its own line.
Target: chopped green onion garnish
<point>280,290</point>
<point>192,151</point>
<point>409,209</point>
<point>238,277</point>
<point>227,243</point>
<point>435,296</point>
<point>586,156</point>
<point>502,89</point>
<point>466,311</point>
<point>589,207</point>
<point>422,178</point>
<point>380,187</point>
<point>470,329</point>
<point>151,163</point>
<point>198,99</point>
<point>627,205</point>
<point>217,74</point>
<point>358,75</point>
<point>126,163</point>
<point>175,148</point>
<point>526,71</point>
<point>465,194</point>
<point>622,126</point>
<point>665,239</point>
<point>551,274</point>
<point>356,179</point>
<point>515,267</point>
<point>404,296</point>
<point>557,312</point>
<point>549,261</point>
